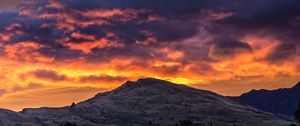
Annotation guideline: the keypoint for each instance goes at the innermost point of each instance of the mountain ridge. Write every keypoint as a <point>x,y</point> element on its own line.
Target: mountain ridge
<point>149,101</point>
<point>281,101</point>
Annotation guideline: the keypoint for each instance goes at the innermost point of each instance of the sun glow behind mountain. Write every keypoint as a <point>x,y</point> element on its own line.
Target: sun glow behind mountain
<point>54,50</point>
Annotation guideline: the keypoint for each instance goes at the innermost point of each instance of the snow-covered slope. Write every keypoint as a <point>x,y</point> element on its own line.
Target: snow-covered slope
<point>150,102</point>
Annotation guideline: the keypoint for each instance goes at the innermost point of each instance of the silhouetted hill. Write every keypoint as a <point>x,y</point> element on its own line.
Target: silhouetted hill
<point>148,102</point>
<point>281,101</point>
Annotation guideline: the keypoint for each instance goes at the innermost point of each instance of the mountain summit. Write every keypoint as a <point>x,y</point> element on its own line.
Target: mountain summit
<point>148,102</point>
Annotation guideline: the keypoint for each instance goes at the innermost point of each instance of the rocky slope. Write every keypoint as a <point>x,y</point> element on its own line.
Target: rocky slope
<point>147,102</point>
<point>281,101</point>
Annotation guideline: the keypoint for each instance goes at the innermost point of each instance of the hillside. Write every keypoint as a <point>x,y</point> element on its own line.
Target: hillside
<point>148,102</point>
<point>280,101</point>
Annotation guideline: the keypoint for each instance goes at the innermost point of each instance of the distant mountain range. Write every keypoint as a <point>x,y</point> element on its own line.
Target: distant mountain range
<point>146,102</point>
<point>280,101</point>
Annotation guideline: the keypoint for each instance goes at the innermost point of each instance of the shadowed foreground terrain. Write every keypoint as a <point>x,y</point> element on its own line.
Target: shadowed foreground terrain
<point>146,102</point>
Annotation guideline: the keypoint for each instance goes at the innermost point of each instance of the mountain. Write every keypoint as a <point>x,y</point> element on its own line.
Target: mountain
<point>146,102</point>
<point>281,101</point>
<point>10,118</point>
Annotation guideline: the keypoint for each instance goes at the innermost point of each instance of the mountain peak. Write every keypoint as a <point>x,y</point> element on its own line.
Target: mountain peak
<point>149,79</point>
<point>148,82</point>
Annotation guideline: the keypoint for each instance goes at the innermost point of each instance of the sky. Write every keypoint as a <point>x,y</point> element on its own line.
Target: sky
<point>55,52</point>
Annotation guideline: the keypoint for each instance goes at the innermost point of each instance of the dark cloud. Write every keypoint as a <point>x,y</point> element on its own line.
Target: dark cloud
<point>204,69</point>
<point>282,52</point>
<point>49,74</point>
<point>141,54</point>
<point>226,48</point>
<point>60,52</point>
<point>268,13</point>
<point>168,70</point>
<point>102,78</point>
<point>276,18</point>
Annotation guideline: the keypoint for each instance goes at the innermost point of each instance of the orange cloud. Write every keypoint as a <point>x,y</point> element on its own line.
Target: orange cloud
<point>55,4</point>
<point>82,36</point>
<point>25,51</point>
<point>87,46</point>
<point>115,14</point>
<point>102,13</point>
<point>5,37</point>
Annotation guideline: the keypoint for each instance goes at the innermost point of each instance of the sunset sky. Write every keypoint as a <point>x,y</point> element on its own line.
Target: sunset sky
<point>55,52</point>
